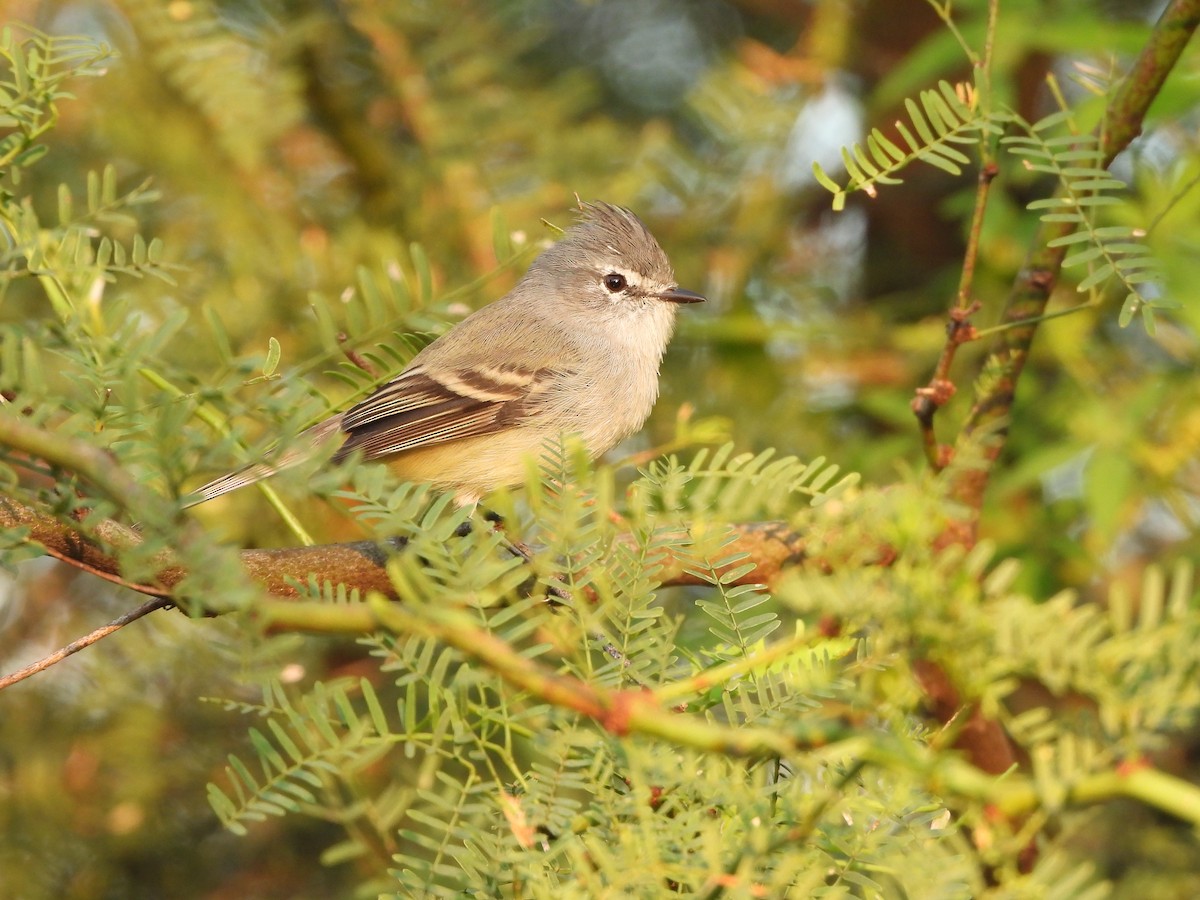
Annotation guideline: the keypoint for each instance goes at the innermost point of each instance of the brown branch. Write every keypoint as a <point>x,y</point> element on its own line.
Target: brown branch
<point>983,740</point>
<point>359,565</point>
<point>1027,301</point>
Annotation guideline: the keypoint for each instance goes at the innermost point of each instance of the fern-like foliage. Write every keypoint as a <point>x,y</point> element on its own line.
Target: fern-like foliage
<point>244,104</point>
<point>1136,653</point>
<point>333,730</point>
<point>740,621</point>
<point>65,256</point>
<point>34,68</point>
<point>1085,188</point>
<point>944,118</point>
<point>730,486</point>
<point>951,115</point>
<point>640,631</point>
<point>77,249</point>
<point>460,783</point>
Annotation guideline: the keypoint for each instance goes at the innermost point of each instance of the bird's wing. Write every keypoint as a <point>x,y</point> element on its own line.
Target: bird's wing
<point>414,410</point>
<point>420,407</point>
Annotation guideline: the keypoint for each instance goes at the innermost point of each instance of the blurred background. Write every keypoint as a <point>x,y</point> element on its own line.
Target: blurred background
<point>300,147</point>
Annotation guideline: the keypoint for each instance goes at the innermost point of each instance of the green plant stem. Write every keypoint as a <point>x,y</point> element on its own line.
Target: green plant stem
<point>1017,796</point>
<point>92,464</point>
<point>726,672</point>
<point>959,330</point>
<point>220,425</point>
<point>942,11</point>
<point>639,712</point>
<point>987,165</point>
<point>1046,317</point>
<point>619,712</point>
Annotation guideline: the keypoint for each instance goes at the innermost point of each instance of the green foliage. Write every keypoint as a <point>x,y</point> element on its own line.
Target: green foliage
<point>328,736</point>
<point>483,788</point>
<point>35,69</point>
<point>219,73</point>
<point>947,116</point>
<point>730,486</point>
<point>1085,186</point>
<point>952,115</point>
<point>290,275</point>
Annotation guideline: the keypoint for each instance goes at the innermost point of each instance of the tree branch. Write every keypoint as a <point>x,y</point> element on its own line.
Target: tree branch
<point>638,711</point>
<point>359,565</point>
<point>1027,301</point>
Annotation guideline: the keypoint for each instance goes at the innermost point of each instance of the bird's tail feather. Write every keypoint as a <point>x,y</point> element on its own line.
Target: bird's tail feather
<point>306,442</point>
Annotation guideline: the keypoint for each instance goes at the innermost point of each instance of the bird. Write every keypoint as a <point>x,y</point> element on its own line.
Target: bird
<point>574,348</point>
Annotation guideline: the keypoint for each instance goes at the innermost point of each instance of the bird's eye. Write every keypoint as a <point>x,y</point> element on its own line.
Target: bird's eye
<point>614,282</point>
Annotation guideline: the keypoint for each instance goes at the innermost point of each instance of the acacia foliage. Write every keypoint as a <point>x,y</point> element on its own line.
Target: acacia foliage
<point>440,776</point>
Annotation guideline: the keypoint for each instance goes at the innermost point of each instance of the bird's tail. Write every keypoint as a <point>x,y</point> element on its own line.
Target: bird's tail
<point>301,449</point>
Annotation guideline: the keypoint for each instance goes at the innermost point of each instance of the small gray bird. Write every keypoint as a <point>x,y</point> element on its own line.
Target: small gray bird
<point>574,348</point>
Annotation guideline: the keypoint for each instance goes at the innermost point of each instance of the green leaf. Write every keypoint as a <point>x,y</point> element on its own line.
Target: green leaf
<point>891,149</point>
<point>1148,320</point>
<point>1078,237</point>
<point>857,175</point>
<point>941,117</point>
<point>934,159</point>
<point>824,180</point>
<point>378,719</point>
<point>952,154</point>
<point>867,165</point>
<point>284,740</point>
<point>274,352</point>
<point>30,155</point>
<point>267,754</point>
<point>1128,309</point>
<point>913,144</point>
<point>1051,203</point>
<point>1097,276</point>
<point>918,121</point>
<point>1082,256</point>
<point>1097,184</point>
<point>1093,200</point>
<point>952,100</point>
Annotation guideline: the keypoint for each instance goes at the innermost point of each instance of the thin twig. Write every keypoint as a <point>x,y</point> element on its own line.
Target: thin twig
<point>356,358</point>
<point>86,641</point>
<point>959,330</point>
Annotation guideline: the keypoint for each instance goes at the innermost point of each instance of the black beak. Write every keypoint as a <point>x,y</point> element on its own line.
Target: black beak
<point>679,295</point>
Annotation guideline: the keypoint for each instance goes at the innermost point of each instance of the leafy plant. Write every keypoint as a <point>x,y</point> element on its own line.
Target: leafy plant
<point>945,117</point>
<point>716,671</point>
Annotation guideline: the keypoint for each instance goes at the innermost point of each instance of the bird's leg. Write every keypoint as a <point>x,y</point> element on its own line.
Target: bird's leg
<point>519,549</point>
